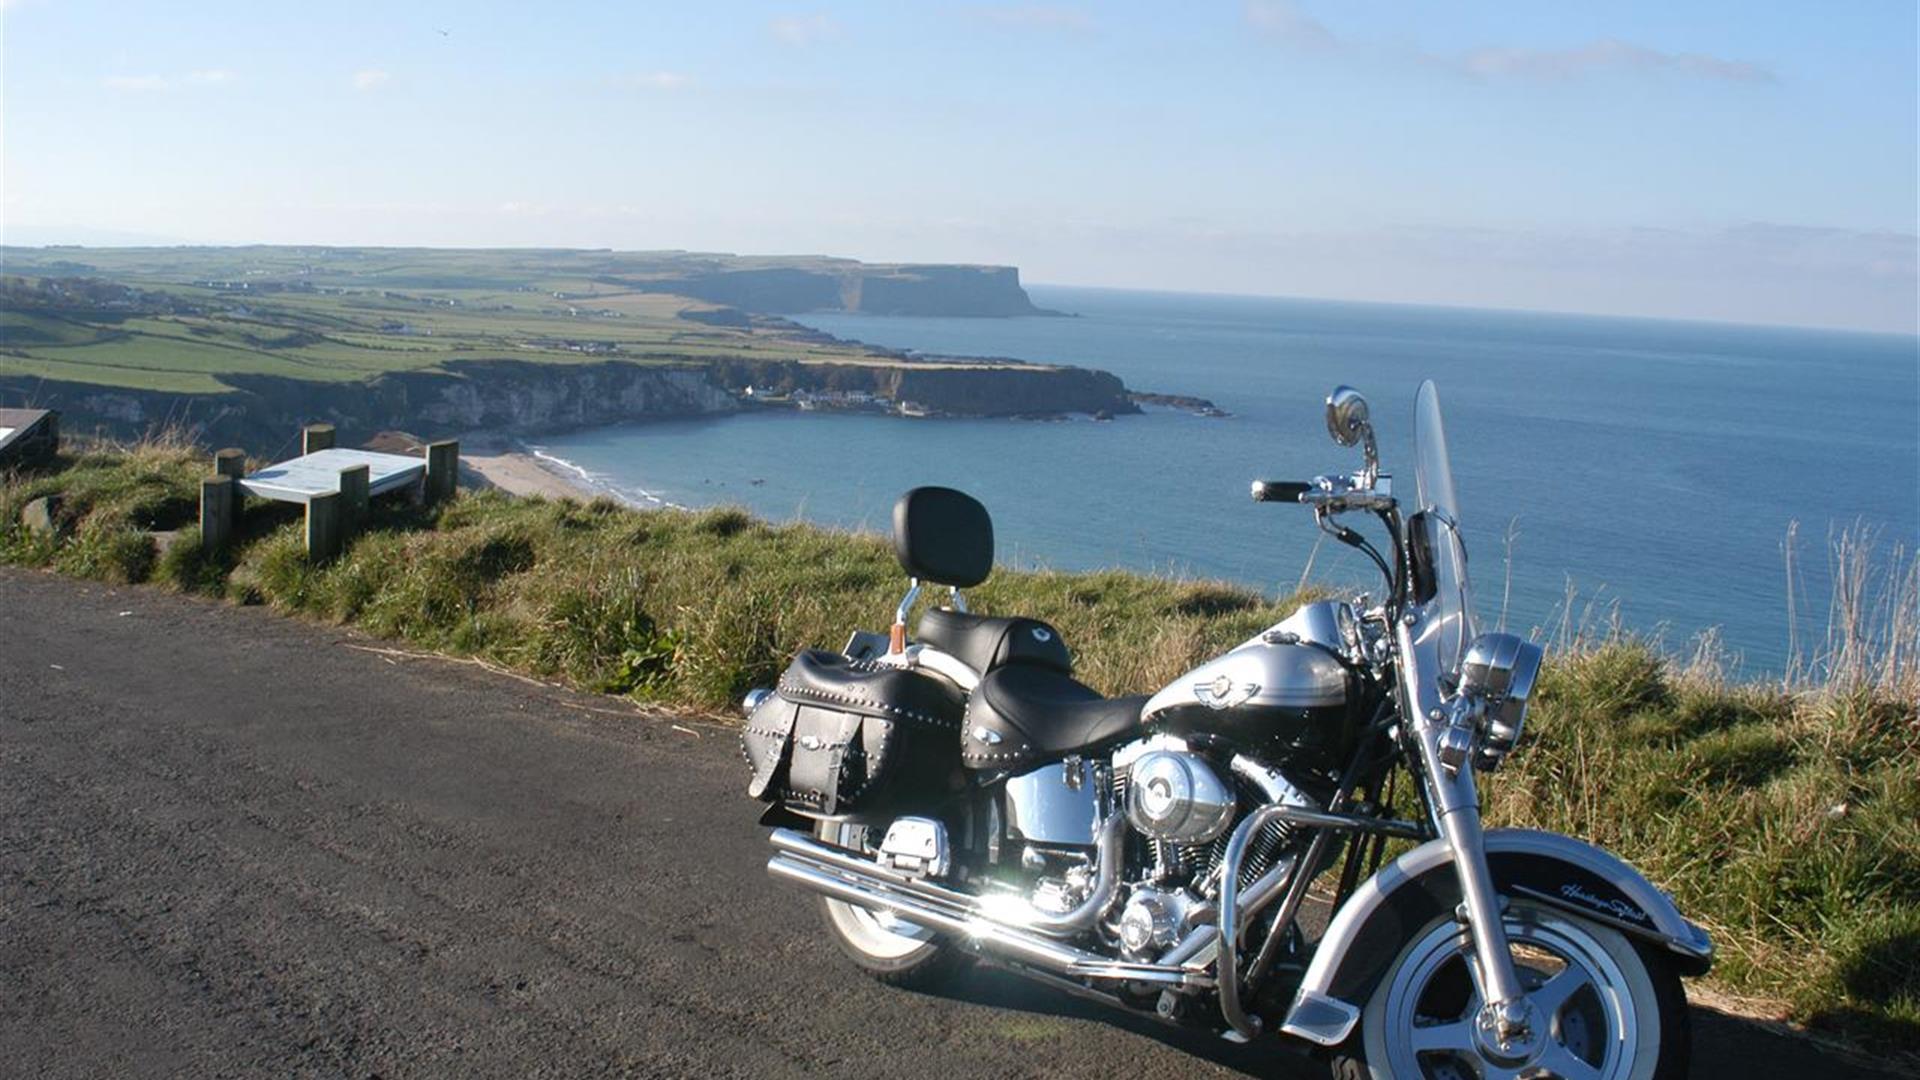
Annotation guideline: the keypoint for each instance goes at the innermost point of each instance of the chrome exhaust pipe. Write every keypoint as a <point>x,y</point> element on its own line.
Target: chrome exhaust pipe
<point>807,849</point>
<point>852,880</point>
<point>1026,948</point>
<point>1016,914</point>
<point>975,931</point>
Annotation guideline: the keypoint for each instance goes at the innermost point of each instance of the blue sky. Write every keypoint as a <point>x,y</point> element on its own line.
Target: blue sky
<point>1734,161</point>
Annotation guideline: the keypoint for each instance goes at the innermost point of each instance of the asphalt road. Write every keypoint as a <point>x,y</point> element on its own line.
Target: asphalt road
<point>236,844</point>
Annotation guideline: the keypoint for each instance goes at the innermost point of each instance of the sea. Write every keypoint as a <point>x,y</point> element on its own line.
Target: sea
<point>1657,474</point>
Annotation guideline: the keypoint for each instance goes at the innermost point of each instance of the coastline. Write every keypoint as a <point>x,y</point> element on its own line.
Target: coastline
<point>505,463</point>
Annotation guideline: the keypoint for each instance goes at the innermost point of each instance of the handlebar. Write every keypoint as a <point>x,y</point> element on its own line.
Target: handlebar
<point>1329,495</point>
<point>1288,491</point>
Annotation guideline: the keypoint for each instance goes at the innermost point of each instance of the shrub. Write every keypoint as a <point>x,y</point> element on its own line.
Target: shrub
<point>187,568</point>
<point>105,551</point>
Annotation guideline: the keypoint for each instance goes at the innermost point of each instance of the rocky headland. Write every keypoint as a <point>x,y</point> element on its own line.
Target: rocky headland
<point>260,411</point>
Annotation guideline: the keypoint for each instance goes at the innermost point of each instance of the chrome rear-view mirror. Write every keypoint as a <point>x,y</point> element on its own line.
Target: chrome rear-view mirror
<point>1351,424</point>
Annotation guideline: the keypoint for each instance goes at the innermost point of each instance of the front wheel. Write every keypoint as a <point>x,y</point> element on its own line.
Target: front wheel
<point>888,948</point>
<point>1603,1008</point>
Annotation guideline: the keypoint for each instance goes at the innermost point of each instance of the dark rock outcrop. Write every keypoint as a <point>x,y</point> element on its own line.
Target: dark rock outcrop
<point>950,389</point>
<point>939,290</point>
<point>1013,391</point>
<point>1197,405</point>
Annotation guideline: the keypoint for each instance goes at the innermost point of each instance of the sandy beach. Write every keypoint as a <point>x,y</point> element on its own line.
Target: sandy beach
<point>504,464</point>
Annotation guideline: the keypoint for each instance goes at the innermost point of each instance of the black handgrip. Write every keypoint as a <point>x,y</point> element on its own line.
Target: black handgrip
<point>1288,491</point>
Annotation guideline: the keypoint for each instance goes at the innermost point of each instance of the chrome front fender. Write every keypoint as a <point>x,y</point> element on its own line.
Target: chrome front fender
<point>1369,931</point>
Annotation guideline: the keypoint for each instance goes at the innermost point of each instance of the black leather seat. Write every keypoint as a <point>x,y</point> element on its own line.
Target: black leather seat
<point>985,642</point>
<point>1025,714</point>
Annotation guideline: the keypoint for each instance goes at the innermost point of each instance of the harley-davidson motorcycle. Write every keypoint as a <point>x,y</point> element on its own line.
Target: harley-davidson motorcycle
<point>956,794</point>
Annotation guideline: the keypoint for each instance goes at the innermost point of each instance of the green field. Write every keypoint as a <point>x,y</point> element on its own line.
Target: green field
<point>179,319</point>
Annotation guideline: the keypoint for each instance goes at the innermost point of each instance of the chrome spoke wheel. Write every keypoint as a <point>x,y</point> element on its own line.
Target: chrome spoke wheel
<point>1591,1003</point>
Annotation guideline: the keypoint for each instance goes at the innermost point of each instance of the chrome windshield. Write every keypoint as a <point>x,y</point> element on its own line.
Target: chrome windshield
<point>1446,622</point>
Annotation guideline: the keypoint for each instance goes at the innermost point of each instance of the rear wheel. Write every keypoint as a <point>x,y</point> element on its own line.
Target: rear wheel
<point>1603,1008</point>
<point>886,947</point>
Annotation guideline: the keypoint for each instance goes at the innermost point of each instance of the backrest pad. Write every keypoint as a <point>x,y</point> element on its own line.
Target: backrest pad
<point>943,536</point>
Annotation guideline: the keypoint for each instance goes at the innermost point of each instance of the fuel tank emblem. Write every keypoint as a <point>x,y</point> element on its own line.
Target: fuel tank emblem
<point>1221,692</point>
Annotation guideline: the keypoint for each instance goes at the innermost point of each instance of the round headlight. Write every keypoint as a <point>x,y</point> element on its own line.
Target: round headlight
<point>1499,672</point>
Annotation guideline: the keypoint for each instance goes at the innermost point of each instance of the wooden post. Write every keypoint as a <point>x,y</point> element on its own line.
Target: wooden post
<point>353,496</point>
<point>230,462</point>
<point>443,469</point>
<point>315,437</point>
<point>216,513</point>
<point>324,531</point>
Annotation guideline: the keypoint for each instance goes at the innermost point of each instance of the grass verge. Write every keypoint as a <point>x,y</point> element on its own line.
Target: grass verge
<point>1786,819</point>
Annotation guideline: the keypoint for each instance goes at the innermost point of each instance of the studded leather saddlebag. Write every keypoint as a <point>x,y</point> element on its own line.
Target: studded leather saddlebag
<point>845,738</point>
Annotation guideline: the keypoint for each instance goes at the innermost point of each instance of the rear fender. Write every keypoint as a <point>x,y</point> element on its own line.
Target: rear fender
<point>1409,892</point>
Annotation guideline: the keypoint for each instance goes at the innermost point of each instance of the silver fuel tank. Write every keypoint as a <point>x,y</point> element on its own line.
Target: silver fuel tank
<point>1284,693</point>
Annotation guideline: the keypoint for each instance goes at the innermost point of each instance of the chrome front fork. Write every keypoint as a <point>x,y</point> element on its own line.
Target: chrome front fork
<point>1506,1023</point>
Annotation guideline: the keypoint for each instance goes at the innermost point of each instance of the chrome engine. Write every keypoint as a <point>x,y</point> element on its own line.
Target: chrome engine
<point>1181,806</point>
<point>1178,798</point>
<point>1195,791</point>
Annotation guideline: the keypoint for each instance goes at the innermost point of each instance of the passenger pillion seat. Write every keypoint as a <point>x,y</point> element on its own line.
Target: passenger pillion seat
<point>1027,707</point>
<point>945,537</point>
<point>985,642</point>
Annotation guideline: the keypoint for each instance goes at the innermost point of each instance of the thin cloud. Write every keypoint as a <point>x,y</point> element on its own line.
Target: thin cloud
<point>1044,17</point>
<point>211,77</point>
<point>370,79</point>
<point>1604,55</point>
<point>1283,21</point>
<point>136,84</point>
<point>803,30</point>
